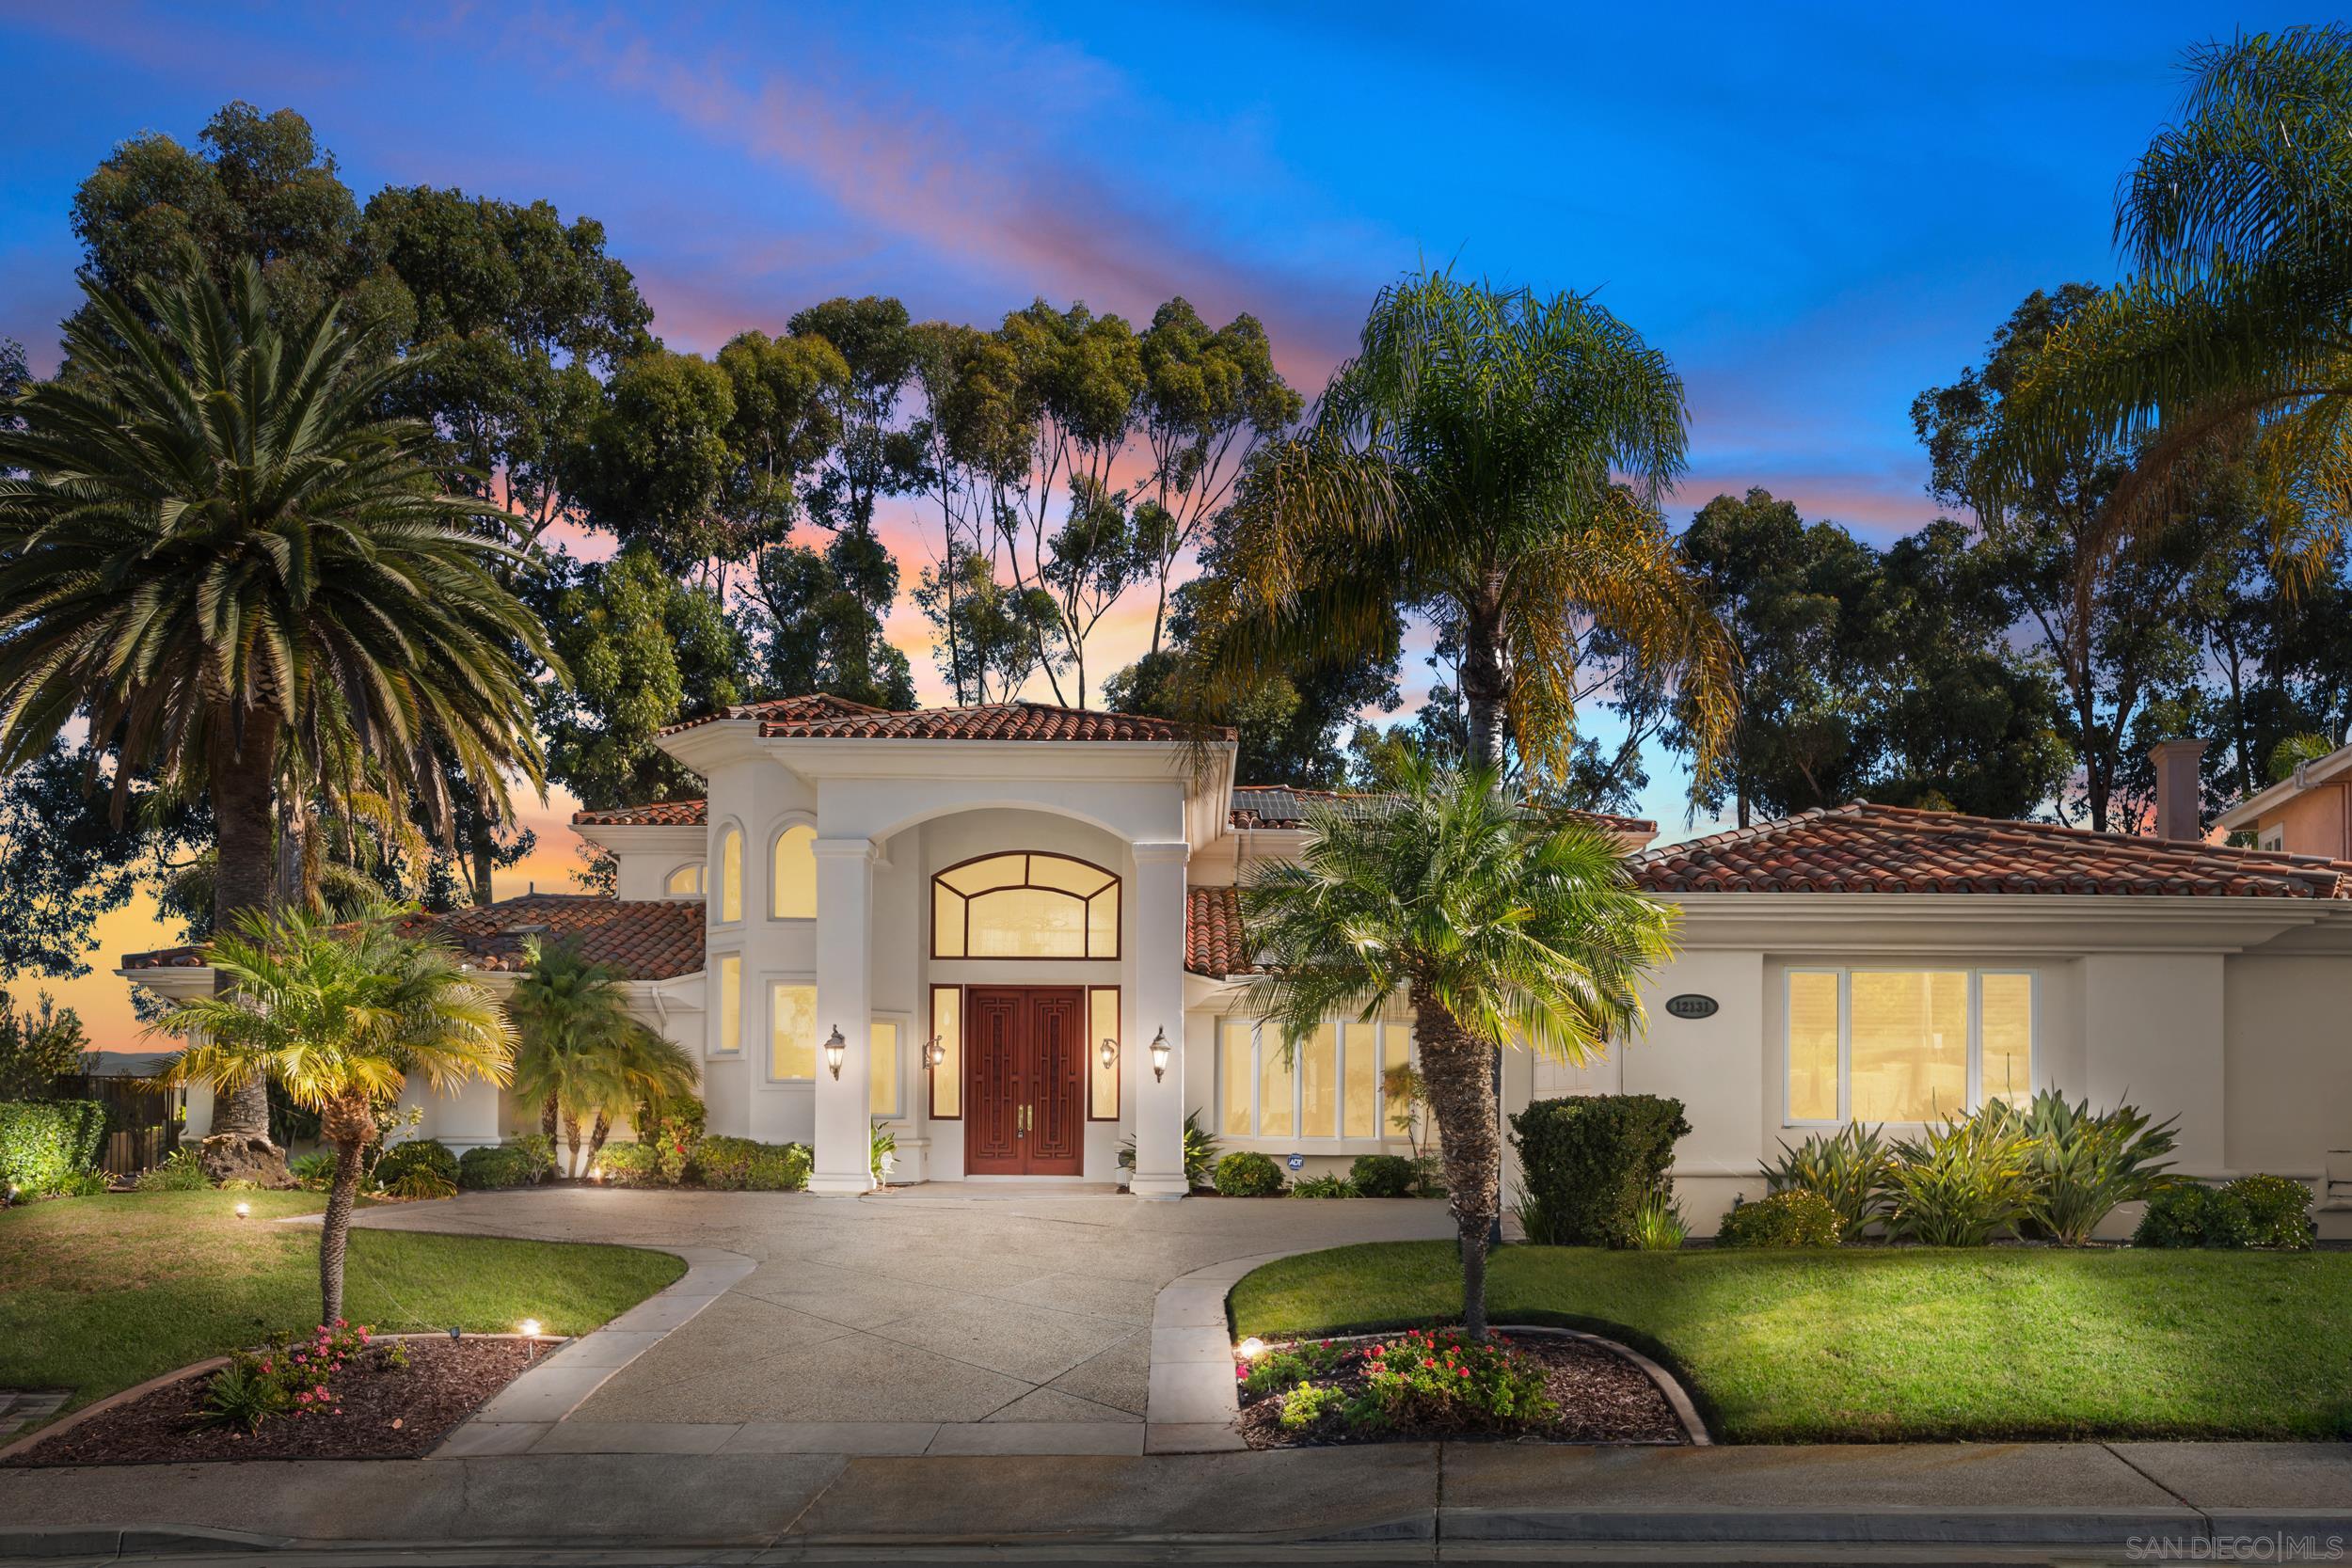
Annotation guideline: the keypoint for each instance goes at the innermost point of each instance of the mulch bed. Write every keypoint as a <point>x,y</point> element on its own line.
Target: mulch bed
<point>1603,1396</point>
<point>445,1381</point>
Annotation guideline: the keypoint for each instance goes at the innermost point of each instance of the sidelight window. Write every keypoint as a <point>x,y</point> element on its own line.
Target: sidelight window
<point>792,882</point>
<point>1024,906</point>
<point>1906,1045</point>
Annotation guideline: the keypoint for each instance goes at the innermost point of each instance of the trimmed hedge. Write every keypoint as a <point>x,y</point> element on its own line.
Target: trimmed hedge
<point>630,1164</point>
<point>488,1167</point>
<point>739,1164</point>
<point>2271,1212</point>
<point>1586,1163</point>
<point>1798,1217</point>
<point>426,1154</point>
<point>45,1143</point>
<point>1382,1176</point>
<point>1247,1173</point>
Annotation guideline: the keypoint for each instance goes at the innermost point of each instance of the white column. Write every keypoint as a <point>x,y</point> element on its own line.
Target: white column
<point>845,898</point>
<point>1159,938</point>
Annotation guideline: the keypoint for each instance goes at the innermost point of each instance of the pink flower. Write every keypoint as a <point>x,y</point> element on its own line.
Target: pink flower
<point>1464,1371</point>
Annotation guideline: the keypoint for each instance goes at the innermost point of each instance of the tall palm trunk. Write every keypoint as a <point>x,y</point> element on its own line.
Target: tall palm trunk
<point>244,877</point>
<point>571,1144</point>
<point>1457,1070</point>
<point>1485,684</point>
<point>597,1134</point>
<point>547,1121</point>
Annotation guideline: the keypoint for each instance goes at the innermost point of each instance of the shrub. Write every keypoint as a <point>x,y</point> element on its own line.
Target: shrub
<point>536,1151</point>
<point>1246,1173</point>
<point>739,1164</point>
<point>423,1181</point>
<point>677,1133</point>
<point>2082,1165</point>
<point>290,1378</point>
<point>1660,1224</point>
<point>629,1164</point>
<point>1382,1174</point>
<point>179,1172</point>
<point>2277,1211</point>
<point>1278,1369</point>
<point>1306,1405</point>
<point>314,1170</point>
<point>425,1154</point>
<point>488,1167</point>
<point>1961,1182</point>
<point>1323,1186</point>
<point>1585,1165</point>
<point>1200,1149</point>
<point>1798,1217</point>
<point>1849,1167</point>
<point>90,1183</point>
<point>881,1154</point>
<point>2194,1215</point>
<point>46,1142</point>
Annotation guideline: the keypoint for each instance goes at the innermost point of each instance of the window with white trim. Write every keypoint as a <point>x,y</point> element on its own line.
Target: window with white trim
<point>727,1009</point>
<point>731,874</point>
<point>685,882</point>
<point>792,875</point>
<point>1330,1088</point>
<point>1906,1045</point>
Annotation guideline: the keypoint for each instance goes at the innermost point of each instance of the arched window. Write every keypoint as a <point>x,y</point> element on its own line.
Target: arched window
<point>1024,906</point>
<point>731,874</point>
<point>792,887</point>
<point>685,882</point>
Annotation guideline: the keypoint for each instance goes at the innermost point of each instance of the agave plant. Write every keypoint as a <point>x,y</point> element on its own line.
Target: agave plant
<point>1847,1169</point>
<point>2083,1164</point>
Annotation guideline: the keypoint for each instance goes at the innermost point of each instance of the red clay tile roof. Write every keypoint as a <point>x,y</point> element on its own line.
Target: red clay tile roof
<point>995,722</point>
<point>642,939</point>
<point>1213,939</point>
<point>816,706</point>
<point>657,814</point>
<point>1862,847</point>
<point>1285,806</point>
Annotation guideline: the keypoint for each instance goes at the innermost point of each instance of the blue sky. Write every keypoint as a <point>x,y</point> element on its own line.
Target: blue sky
<point>1816,212</point>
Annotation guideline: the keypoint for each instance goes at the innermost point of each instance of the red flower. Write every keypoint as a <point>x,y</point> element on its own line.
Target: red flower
<point>1464,1371</point>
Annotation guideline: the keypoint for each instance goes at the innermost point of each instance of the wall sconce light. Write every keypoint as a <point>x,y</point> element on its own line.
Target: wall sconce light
<point>1109,1052</point>
<point>835,1048</point>
<point>1159,1055</point>
<point>934,1053</point>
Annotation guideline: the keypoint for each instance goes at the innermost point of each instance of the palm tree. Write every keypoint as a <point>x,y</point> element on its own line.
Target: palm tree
<point>339,1017</point>
<point>583,1056</point>
<point>2237,331</point>
<point>1462,465</point>
<point>244,577</point>
<point>1504,925</point>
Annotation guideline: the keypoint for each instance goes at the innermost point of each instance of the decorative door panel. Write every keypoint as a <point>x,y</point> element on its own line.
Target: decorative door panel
<point>995,1048</point>
<point>1057,1082</point>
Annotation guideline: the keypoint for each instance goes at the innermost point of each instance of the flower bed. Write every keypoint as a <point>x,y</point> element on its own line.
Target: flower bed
<point>1426,1384</point>
<point>339,1396</point>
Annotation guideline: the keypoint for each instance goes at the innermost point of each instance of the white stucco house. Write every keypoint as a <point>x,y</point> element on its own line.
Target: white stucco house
<point>1022,922</point>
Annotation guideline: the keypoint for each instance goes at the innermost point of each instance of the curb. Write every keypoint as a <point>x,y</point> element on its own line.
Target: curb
<point>51,1540</point>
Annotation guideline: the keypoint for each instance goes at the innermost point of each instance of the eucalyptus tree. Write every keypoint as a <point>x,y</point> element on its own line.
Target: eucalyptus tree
<point>2237,326</point>
<point>240,575</point>
<point>1464,464</point>
<point>1210,398</point>
<point>1503,927</point>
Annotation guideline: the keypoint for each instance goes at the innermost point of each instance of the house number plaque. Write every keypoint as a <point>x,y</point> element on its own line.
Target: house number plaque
<point>1691,1005</point>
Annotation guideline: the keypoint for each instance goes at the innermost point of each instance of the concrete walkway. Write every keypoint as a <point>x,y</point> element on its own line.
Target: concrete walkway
<point>1407,1502</point>
<point>946,1320</point>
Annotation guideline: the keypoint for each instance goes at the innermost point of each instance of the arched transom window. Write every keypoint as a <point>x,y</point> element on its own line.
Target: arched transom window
<point>1024,906</point>
<point>685,882</point>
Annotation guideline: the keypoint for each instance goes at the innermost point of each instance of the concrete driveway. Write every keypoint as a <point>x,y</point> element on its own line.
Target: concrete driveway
<point>948,1306</point>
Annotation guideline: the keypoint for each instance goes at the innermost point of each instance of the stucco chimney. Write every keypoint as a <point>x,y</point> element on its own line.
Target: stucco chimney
<point>2178,788</point>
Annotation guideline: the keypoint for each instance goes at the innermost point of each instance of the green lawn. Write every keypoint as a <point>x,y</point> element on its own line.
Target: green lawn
<point>1887,1344</point>
<point>99,1294</point>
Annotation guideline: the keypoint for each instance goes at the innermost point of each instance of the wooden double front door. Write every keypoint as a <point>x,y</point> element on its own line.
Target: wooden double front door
<point>1024,1079</point>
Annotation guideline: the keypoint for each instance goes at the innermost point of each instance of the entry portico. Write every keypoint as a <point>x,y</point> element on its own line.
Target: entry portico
<point>909,880</point>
